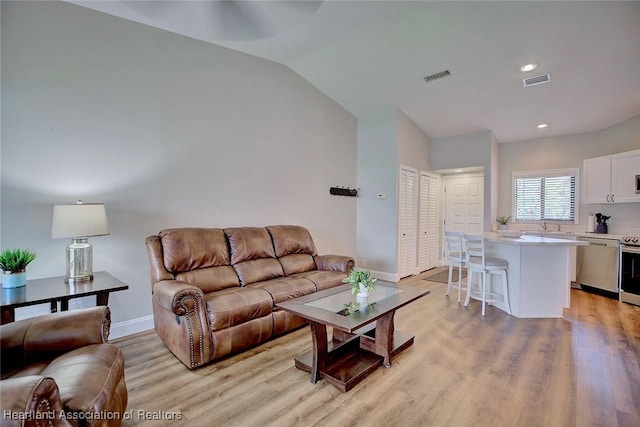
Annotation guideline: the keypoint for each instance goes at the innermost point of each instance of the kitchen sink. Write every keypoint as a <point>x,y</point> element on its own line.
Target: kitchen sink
<point>541,233</point>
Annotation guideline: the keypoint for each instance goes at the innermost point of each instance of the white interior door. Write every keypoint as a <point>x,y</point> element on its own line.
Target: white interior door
<point>464,203</point>
<point>407,221</point>
<point>428,221</point>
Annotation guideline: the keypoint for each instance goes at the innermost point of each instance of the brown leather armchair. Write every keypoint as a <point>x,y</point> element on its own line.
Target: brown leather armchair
<point>57,369</point>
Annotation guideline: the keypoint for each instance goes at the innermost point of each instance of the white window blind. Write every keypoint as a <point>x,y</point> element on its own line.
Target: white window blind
<point>545,196</point>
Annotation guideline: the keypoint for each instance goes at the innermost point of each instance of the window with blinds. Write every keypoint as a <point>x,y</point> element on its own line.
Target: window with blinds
<point>545,196</point>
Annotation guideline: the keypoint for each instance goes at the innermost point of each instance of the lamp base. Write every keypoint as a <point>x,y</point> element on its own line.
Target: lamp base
<point>82,279</point>
<point>79,261</point>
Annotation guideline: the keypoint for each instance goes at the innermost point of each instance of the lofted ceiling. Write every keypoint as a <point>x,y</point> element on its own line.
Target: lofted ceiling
<point>373,55</point>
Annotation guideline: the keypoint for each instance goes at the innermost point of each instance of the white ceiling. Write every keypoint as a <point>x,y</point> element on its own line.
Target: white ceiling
<point>373,55</point>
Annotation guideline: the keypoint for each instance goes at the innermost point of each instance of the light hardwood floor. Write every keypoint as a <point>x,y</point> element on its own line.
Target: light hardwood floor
<point>463,370</point>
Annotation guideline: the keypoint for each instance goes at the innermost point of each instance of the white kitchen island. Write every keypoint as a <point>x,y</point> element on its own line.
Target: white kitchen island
<point>538,273</point>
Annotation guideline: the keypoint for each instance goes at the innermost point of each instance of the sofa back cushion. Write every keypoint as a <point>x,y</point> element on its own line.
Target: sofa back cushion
<point>199,256</point>
<point>252,254</point>
<point>294,248</point>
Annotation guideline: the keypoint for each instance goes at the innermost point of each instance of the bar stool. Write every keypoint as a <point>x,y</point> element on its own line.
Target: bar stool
<point>456,257</point>
<point>478,263</point>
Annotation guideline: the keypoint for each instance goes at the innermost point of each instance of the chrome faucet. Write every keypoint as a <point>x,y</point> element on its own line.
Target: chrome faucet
<point>543,225</point>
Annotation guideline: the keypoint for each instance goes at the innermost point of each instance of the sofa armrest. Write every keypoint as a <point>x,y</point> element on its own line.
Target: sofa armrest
<point>33,396</point>
<point>180,319</point>
<point>47,336</point>
<point>173,295</point>
<point>335,262</point>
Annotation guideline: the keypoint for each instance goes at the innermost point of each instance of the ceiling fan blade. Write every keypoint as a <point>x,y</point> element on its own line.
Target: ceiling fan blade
<point>255,20</point>
<point>241,20</point>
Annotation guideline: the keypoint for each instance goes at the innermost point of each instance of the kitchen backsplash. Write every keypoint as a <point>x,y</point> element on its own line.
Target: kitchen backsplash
<point>625,217</point>
<point>625,220</point>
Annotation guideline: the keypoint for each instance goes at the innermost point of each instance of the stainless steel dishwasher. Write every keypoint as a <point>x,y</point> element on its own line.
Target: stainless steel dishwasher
<point>598,264</point>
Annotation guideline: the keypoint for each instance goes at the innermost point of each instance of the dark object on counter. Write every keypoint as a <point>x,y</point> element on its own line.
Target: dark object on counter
<point>601,226</point>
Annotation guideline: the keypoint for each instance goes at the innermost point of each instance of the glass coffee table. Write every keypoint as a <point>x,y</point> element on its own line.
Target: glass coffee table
<point>363,335</point>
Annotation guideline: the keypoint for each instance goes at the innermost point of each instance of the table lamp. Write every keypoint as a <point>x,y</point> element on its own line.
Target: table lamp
<point>79,222</point>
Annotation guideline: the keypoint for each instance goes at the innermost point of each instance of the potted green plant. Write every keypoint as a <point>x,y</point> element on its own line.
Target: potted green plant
<point>361,282</point>
<point>503,222</point>
<point>13,263</point>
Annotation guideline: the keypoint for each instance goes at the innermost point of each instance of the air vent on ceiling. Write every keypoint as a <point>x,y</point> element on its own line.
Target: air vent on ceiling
<point>436,76</point>
<point>537,80</point>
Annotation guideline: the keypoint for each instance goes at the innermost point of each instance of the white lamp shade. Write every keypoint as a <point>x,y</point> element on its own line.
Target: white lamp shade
<point>80,220</point>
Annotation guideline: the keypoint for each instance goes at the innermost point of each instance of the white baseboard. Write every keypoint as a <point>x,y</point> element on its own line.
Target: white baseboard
<point>129,327</point>
<point>389,277</point>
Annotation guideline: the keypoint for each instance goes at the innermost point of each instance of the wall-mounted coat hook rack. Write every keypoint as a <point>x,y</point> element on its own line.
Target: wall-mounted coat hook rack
<point>342,191</point>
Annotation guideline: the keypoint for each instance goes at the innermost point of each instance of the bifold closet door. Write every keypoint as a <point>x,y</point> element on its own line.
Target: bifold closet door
<point>407,214</point>
<point>428,219</point>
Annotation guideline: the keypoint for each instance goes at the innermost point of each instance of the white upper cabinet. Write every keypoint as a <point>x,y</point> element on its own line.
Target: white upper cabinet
<point>612,179</point>
<point>625,171</point>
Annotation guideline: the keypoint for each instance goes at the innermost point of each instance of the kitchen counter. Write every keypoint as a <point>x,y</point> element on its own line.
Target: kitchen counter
<point>533,240</point>
<point>538,272</point>
<point>601,236</point>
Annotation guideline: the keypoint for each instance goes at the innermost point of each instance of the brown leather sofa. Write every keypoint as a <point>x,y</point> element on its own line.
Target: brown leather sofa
<point>58,370</point>
<point>215,290</point>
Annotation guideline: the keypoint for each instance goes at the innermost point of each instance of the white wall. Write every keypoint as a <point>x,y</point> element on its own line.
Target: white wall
<point>165,130</point>
<point>413,145</point>
<point>495,173</point>
<point>386,140</point>
<point>377,223</point>
<point>464,151</point>
<point>569,151</point>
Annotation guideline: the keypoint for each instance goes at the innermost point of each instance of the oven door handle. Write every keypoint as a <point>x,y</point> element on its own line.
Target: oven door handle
<point>630,249</point>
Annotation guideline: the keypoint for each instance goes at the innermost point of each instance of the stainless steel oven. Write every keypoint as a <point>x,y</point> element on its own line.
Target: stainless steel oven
<point>630,270</point>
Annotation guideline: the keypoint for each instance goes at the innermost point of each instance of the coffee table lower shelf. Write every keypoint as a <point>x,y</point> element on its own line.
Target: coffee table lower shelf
<point>349,362</point>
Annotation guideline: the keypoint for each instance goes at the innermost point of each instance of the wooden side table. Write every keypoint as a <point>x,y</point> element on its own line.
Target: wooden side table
<point>54,289</point>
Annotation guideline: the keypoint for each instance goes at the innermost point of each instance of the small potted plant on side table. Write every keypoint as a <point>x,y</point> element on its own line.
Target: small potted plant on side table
<point>361,282</point>
<point>13,263</point>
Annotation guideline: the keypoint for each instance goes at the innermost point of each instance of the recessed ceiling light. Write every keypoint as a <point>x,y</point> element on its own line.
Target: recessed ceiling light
<point>528,67</point>
<point>458,170</point>
<point>542,125</point>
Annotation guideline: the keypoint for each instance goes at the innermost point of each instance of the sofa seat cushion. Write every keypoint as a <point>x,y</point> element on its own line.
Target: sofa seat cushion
<point>323,279</point>
<point>234,306</point>
<point>297,263</point>
<point>258,270</point>
<point>88,377</point>
<point>211,279</point>
<point>286,288</point>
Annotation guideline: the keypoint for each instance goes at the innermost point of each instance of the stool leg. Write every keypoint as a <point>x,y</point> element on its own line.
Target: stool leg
<point>484,290</point>
<point>505,292</point>
<point>469,281</point>
<point>467,287</point>
<point>459,281</point>
<point>470,274</point>
<point>450,278</point>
